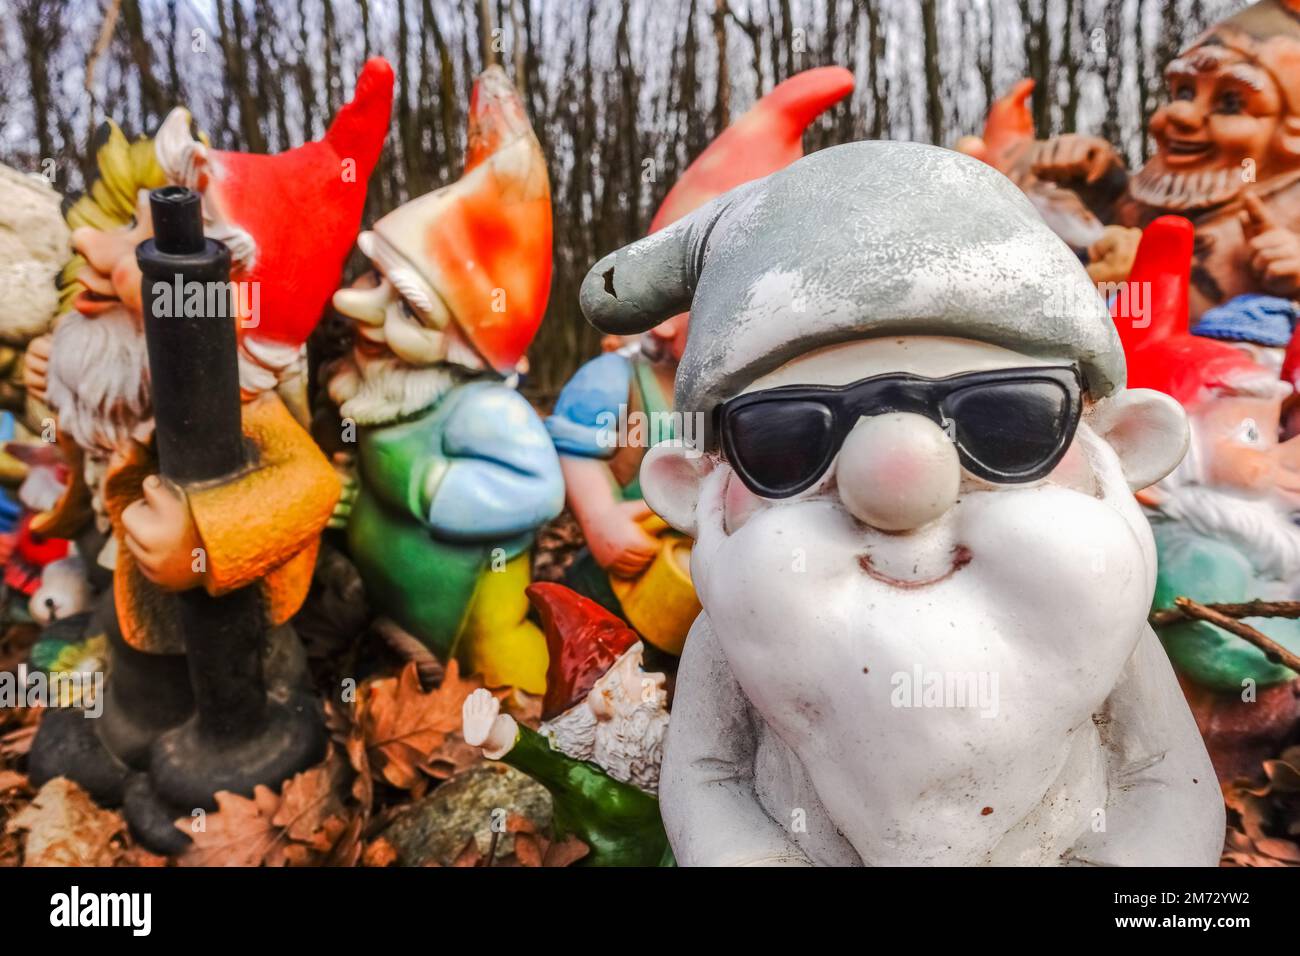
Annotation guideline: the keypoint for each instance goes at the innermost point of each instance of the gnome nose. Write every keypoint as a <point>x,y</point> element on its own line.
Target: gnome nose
<point>364,305</point>
<point>897,472</point>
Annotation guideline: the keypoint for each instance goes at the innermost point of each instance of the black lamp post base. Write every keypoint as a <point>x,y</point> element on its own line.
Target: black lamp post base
<point>188,766</point>
<point>68,745</point>
<point>152,822</point>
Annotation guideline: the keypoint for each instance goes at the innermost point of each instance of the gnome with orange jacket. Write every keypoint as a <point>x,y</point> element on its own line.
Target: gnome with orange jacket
<point>619,404</point>
<point>455,472</point>
<point>261,528</point>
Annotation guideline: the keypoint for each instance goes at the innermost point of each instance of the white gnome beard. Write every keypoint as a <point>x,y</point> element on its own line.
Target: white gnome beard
<point>1256,526</point>
<point>378,391</point>
<point>98,379</point>
<point>1051,605</point>
<point>628,746</point>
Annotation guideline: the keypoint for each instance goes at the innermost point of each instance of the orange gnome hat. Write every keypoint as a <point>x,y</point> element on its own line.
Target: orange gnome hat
<point>1008,125</point>
<point>767,138</point>
<point>478,252</point>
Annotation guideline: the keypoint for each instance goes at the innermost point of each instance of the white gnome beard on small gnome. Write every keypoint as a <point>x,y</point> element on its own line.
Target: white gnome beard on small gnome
<point>1051,605</point>
<point>628,746</point>
<point>1259,527</point>
<point>98,379</point>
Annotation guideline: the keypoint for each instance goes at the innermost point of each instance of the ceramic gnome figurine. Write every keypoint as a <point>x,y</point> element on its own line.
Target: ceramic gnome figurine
<point>256,532</point>
<point>1222,519</point>
<point>601,741</point>
<point>633,564</point>
<point>455,469</point>
<point>924,576</point>
<point>1227,157</point>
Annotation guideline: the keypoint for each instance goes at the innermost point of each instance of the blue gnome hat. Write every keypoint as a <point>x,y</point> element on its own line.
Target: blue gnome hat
<point>1258,319</point>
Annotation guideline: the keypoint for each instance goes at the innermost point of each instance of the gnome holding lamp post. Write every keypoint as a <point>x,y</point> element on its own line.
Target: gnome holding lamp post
<point>634,563</point>
<point>254,533</point>
<point>601,741</point>
<point>916,543</point>
<point>456,471</point>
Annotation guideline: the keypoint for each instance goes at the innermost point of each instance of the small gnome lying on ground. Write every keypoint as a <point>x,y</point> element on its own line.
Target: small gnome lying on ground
<point>601,741</point>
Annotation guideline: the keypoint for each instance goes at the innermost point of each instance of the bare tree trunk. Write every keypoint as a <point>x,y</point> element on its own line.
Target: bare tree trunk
<point>232,33</point>
<point>152,100</point>
<point>877,78</point>
<point>722,98</point>
<point>485,24</point>
<point>1070,59</point>
<point>306,81</point>
<point>933,78</point>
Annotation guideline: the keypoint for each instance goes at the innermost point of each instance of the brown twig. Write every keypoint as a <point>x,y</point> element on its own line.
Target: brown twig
<point>1275,652</point>
<point>1246,609</point>
<point>409,648</point>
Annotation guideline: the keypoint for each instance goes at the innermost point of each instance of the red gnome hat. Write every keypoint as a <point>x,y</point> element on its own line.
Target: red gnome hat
<point>290,218</point>
<point>478,251</point>
<point>583,639</point>
<point>767,138</point>
<point>1160,351</point>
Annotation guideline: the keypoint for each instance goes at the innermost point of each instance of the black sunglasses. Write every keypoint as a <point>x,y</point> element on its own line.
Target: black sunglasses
<point>1009,425</point>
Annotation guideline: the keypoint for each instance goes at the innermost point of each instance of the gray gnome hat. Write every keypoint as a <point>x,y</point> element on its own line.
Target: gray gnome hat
<point>855,241</point>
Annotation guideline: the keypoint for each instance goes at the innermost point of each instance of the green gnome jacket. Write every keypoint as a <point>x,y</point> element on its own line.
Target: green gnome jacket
<point>441,494</point>
<point>620,822</point>
<point>1212,571</point>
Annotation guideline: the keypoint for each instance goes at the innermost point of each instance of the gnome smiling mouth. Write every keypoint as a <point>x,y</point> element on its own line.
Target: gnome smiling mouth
<point>959,557</point>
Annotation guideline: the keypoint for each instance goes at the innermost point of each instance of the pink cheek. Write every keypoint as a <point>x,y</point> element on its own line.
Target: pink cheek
<point>1074,471</point>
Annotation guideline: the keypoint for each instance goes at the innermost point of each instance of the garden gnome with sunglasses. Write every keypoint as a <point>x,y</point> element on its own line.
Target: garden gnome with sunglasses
<point>924,576</point>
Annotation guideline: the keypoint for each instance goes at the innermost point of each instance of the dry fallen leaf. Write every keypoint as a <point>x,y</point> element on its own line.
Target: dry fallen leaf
<point>305,824</point>
<point>64,827</point>
<point>379,853</point>
<point>238,833</point>
<point>404,727</point>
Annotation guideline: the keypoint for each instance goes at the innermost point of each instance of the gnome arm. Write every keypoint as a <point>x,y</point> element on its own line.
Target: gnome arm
<point>584,423</point>
<point>499,475</point>
<point>584,793</point>
<point>1163,806</point>
<point>706,787</point>
<point>273,510</point>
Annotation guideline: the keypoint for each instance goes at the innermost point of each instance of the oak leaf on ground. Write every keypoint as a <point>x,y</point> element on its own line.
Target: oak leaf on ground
<point>405,727</point>
<point>64,827</point>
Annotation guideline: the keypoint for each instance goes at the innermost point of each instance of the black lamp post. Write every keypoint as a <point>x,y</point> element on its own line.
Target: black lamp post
<point>238,736</point>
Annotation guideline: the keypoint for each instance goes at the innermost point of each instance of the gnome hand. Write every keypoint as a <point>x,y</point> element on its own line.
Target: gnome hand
<point>618,541</point>
<point>36,365</point>
<point>1073,157</point>
<point>483,724</point>
<point>161,536</point>
<point>1110,258</point>
<point>1274,249</point>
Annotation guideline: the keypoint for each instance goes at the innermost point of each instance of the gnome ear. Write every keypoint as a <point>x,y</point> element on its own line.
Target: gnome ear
<point>653,279</point>
<point>1148,431</point>
<point>671,474</point>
